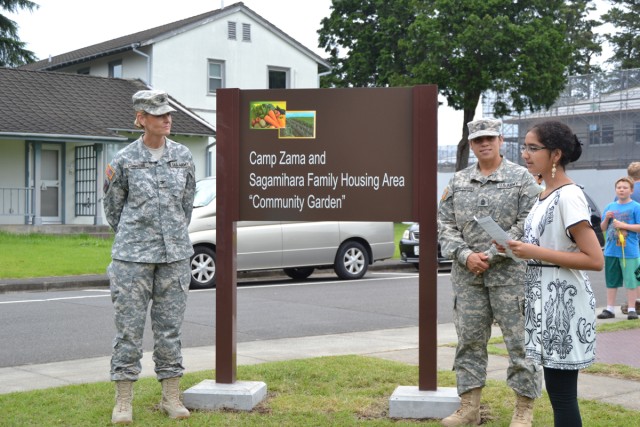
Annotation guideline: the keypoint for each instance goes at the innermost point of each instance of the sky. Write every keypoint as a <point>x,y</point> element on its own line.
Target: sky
<point>60,26</point>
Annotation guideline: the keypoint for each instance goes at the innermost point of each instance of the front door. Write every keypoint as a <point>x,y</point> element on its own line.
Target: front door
<point>50,184</point>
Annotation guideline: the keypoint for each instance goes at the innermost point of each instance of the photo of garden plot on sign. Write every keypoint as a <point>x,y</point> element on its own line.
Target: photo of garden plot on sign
<point>300,125</point>
<point>268,115</point>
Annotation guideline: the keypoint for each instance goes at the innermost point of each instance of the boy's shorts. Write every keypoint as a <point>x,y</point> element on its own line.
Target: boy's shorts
<point>616,273</point>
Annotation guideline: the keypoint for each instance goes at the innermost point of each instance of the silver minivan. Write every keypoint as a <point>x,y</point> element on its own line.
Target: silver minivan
<point>296,247</point>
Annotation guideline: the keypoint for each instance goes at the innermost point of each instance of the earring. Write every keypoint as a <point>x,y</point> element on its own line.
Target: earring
<point>553,171</point>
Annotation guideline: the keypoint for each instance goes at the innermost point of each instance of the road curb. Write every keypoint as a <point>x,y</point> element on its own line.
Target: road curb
<point>53,283</point>
<point>42,284</point>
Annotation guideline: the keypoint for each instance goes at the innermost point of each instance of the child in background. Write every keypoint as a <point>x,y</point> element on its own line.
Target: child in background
<point>621,219</point>
<point>633,170</point>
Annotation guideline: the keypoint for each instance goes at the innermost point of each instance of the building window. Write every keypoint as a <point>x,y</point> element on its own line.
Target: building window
<point>600,135</point>
<point>278,78</point>
<point>85,180</point>
<point>246,32</point>
<point>215,76</point>
<point>607,134</point>
<point>231,30</point>
<point>594,134</point>
<point>637,133</point>
<point>84,71</point>
<point>115,69</point>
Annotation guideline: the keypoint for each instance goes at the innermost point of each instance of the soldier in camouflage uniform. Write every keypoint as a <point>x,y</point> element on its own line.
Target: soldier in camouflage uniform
<point>148,199</point>
<point>487,285</point>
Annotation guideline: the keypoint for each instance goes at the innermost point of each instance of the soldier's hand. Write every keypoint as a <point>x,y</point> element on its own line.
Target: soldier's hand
<point>478,263</point>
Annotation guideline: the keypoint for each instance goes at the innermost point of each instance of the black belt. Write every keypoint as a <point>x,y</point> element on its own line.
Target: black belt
<point>533,264</point>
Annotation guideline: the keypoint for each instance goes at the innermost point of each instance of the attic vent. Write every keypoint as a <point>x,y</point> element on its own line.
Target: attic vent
<point>231,30</point>
<point>246,32</point>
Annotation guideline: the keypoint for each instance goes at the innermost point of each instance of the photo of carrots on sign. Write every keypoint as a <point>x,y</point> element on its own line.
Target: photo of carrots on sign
<point>268,115</point>
<point>300,125</point>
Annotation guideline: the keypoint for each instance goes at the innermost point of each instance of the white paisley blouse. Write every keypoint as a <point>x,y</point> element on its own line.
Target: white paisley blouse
<point>560,319</point>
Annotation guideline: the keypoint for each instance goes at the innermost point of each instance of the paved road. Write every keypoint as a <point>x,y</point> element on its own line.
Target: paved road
<point>68,325</point>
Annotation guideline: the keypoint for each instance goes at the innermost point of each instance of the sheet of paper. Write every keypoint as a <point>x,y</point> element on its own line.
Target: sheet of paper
<point>497,233</point>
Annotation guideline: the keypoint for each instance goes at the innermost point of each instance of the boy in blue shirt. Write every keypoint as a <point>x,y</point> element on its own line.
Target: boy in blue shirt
<point>633,170</point>
<point>621,219</point>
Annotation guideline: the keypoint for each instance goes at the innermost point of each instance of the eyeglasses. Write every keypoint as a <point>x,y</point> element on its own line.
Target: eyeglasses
<point>531,148</point>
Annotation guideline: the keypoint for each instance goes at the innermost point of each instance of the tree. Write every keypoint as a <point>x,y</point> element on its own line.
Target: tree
<point>625,40</point>
<point>369,33</point>
<point>581,36</point>
<point>521,51</point>
<point>12,50</point>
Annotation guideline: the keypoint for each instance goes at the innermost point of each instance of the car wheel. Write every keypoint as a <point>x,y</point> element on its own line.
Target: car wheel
<point>416,265</point>
<point>299,273</point>
<point>203,268</point>
<point>352,261</point>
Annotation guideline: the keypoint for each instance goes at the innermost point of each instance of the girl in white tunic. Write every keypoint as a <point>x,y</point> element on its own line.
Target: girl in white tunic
<point>560,305</point>
<point>559,243</point>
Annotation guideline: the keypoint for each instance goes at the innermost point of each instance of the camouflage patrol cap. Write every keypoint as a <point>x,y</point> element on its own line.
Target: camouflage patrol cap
<point>154,102</point>
<point>484,127</point>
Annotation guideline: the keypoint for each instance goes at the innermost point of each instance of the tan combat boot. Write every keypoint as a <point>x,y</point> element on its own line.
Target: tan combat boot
<point>469,411</point>
<point>123,412</point>
<point>523,414</point>
<point>170,402</point>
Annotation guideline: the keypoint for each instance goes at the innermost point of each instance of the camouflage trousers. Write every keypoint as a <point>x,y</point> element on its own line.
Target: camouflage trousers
<point>475,308</point>
<point>133,286</point>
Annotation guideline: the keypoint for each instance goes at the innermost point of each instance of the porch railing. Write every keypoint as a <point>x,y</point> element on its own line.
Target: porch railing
<point>17,202</point>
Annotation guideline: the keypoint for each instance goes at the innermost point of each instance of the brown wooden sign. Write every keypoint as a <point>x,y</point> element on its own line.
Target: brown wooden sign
<point>367,154</point>
<point>326,154</point>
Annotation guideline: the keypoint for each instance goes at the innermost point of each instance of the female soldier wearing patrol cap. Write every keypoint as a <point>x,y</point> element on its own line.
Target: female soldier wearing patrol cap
<point>148,200</point>
<point>487,285</point>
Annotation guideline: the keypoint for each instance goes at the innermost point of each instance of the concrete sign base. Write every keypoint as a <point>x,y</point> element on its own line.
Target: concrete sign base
<point>410,402</point>
<point>240,395</point>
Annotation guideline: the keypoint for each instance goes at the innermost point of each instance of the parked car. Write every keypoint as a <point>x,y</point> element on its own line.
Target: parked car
<point>410,246</point>
<point>299,248</point>
<point>410,241</point>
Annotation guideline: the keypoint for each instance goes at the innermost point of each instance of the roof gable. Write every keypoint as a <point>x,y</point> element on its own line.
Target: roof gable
<point>77,106</point>
<point>152,35</point>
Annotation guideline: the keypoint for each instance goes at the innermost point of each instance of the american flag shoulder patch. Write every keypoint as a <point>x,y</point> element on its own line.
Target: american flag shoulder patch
<point>110,172</point>
<point>445,194</point>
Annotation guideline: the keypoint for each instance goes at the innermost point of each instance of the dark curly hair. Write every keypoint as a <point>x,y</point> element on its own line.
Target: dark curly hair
<point>556,135</point>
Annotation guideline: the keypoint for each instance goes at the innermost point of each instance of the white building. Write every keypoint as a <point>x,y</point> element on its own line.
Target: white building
<point>232,47</point>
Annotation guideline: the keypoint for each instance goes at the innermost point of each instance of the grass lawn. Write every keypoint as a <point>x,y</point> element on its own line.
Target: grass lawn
<point>42,255</point>
<point>326,391</point>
